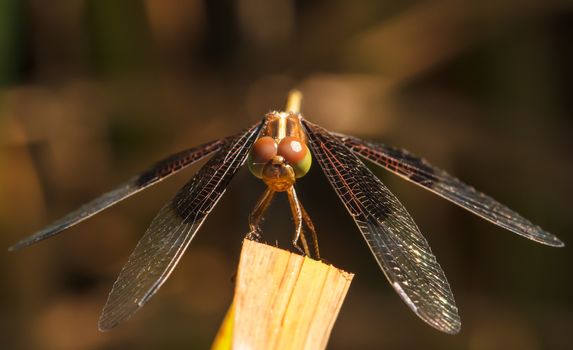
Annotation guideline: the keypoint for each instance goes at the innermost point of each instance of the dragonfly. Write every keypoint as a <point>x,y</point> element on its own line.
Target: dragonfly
<point>280,150</point>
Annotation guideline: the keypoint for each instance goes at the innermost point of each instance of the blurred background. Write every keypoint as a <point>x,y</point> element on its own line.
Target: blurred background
<point>93,91</point>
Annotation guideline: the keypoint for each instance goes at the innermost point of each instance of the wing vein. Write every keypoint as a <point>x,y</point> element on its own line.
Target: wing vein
<point>420,172</point>
<point>172,230</point>
<point>389,231</point>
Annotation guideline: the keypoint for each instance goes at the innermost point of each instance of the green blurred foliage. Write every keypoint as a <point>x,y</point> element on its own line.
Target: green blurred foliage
<point>11,40</point>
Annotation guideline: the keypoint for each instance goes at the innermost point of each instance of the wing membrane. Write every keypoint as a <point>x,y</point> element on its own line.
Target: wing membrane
<point>420,172</point>
<point>159,171</point>
<point>171,231</point>
<point>394,239</point>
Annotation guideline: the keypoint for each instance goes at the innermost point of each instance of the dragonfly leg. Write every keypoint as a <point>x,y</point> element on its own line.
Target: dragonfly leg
<point>297,211</point>
<point>310,226</point>
<point>256,216</point>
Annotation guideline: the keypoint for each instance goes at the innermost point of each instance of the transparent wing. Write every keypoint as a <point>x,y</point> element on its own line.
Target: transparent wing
<point>159,171</point>
<point>422,173</point>
<point>171,231</point>
<point>393,237</point>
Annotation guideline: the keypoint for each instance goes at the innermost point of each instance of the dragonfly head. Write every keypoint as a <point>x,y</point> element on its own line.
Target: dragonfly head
<point>278,175</point>
<point>279,165</point>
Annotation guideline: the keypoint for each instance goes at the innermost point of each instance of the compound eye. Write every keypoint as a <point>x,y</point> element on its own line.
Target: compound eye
<point>263,150</point>
<point>296,154</point>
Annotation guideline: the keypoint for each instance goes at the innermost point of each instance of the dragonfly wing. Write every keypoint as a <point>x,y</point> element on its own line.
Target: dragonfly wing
<point>159,171</point>
<point>171,231</point>
<point>420,172</point>
<point>390,232</point>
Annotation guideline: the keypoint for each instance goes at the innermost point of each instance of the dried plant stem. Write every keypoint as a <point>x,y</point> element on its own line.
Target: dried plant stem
<point>282,301</point>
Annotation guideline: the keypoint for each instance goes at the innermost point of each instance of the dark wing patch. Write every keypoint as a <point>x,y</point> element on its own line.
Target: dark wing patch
<point>422,173</point>
<point>171,231</point>
<point>159,171</point>
<point>390,232</point>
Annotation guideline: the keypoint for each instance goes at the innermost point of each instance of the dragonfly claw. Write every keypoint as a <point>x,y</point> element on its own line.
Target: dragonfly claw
<point>254,235</point>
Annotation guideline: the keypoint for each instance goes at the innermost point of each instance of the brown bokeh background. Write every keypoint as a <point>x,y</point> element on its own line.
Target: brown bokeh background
<point>93,91</point>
